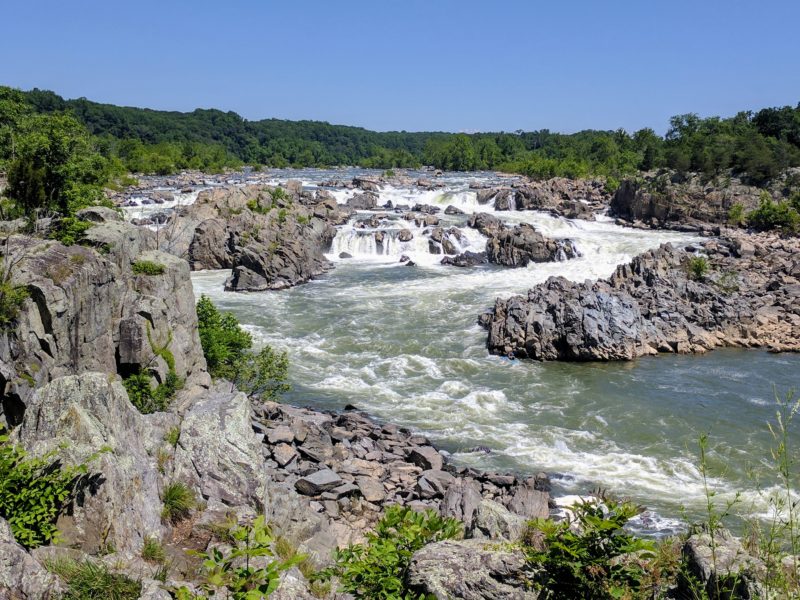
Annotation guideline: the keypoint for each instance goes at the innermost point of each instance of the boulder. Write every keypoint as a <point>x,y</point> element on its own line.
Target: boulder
<point>426,457</point>
<point>434,483</point>
<point>493,521</point>
<point>469,570</point>
<point>318,482</point>
<point>89,418</point>
<point>466,259</point>
<point>218,453</point>
<point>21,576</point>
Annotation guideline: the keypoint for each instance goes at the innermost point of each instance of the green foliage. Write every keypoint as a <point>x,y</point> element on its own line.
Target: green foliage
<point>226,347</point>
<point>87,580</point>
<point>774,215</point>
<point>377,568</point>
<point>33,491</point>
<point>736,215</point>
<point>235,574</point>
<point>147,267</point>
<point>69,230</point>
<point>173,436</point>
<point>596,559</point>
<point>12,296</point>
<point>698,267</point>
<point>179,500</point>
<point>153,551</point>
<point>148,399</point>
<point>256,207</point>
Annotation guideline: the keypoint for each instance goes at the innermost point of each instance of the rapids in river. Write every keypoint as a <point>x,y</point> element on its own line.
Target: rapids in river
<point>402,343</point>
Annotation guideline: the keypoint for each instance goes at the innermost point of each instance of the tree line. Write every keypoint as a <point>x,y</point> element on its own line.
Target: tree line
<point>755,145</point>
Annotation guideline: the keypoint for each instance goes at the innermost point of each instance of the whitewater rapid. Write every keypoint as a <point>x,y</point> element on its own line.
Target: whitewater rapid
<point>402,343</point>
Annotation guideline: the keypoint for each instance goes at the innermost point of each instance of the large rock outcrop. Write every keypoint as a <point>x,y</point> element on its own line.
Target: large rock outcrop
<point>22,577</point>
<point>750,297</point>
<point>470,570</point>
<point>89,418</point>
<point>520,245</point>
<point>271,238</point>
<point>88,311</point>
<point>570,198</point>
<point>678,203</point>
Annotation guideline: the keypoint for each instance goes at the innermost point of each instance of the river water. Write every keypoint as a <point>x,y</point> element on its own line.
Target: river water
<point>402,343</point>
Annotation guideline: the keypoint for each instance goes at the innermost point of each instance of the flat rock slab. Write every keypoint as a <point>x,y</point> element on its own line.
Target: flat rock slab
<point>281,434</point>
<point>319,482</point>
<point>371,489</point>
<point>426,457</point>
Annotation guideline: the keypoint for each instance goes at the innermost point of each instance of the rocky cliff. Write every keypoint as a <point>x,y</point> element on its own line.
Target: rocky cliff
<point>737,291</point>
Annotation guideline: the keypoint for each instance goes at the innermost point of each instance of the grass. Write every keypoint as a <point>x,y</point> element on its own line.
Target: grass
<point>147,267</point>
<point>173,436</point>
<point>153,551</point>
<point>179,500</point>
<point>87,580</point>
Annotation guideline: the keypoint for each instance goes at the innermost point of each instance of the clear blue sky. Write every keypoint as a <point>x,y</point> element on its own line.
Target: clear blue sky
<point>451,65</point>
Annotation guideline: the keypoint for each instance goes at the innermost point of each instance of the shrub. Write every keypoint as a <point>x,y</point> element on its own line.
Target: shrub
<point>33,491</point>
<point>279,194</point>
<point>592,558</point>
<point>173,436</point>
<point>736,215</point>
<point>178,501</point>
<point>226,347</point>
<point>698,267</point>
<point>236,571</point>
<point>153,551</point>
<point>773,215</point>
<point>256,207</point>
<point>87,580</point>
<point>69,230</point>
<point>11,299</point>
<point>377,568</point>
<point>147,399</point>
<point>147,267</point>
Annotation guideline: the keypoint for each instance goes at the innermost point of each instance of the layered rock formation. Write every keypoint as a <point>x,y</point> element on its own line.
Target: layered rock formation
<point>271,238</point>
<point>747,294</point>
<point>570,198</point>
<point>88,311</point>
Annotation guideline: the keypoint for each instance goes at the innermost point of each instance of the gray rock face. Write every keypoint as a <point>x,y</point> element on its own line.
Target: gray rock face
<point>495,522</point>
<point>652,305</point>
<point>271,241</point>
<point>88,312</point>
<point>426,458</point>
<point>466,259</point>
<point>218,453</point>
<point>21,576</point>
<point>363,201</point>
<point>469,570</point>
<point>727,571</point>
<point>523,245</point>
<point>87,414</point>
<point>661,202</point>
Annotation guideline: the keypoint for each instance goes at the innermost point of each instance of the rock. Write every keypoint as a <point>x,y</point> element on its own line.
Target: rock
<point>405,235</point>
<point>362,202</point>
<point>317,483</point>
<point>433,483</point>
<point>453,210</point>
<point>727,570</point>
<point>21,576</point>
<point>487,224</point>
<point>280,434</point>
<point>283,454</point>
<point>80,416</point>
<point>345,255</point>
<point>218,452</point>
<point>372,489</point>
<point>466,259</point>
<point>469,570</point>
<point>529,502</point>
<point>522,245</point>
<point>493,521</point>
<point>426,457</point>
<point>461,501</point>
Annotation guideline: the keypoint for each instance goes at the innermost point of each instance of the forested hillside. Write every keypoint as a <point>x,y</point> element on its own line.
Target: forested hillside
<point>756,145</point>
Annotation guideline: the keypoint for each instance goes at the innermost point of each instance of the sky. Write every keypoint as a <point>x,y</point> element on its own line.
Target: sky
<point>442,65</point>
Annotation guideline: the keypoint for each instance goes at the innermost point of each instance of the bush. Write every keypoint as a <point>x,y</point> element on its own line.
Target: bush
<point>592,558</point>
<point>236,571</point>
<point>377,568</point>
<point>147,399</point>
<point>33,491</point>
<point>226,347</point>
<point>11,299</point>
<point>87,580</point>
<point>70,230</point>
<point>736,215</point>
<point>773,215</point>
<point>178,501</point>
<point>698,267</point>
<point>147,267</point>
